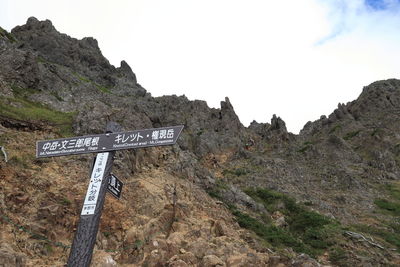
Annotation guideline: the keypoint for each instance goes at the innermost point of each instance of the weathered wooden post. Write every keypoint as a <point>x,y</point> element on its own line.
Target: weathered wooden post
<point>105,145</point>
<point>85,236</point>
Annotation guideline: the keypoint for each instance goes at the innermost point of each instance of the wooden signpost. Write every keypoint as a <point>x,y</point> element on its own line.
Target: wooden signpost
<point>101,178</point>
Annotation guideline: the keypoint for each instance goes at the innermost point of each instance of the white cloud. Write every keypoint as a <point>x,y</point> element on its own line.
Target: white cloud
<point>295,58</point>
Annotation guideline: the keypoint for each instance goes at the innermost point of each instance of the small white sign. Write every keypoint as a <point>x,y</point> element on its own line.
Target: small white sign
<point>92,193</point>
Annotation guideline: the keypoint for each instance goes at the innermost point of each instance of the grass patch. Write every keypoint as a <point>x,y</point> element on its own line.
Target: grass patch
<point>305,147</point>
<point>102,88</point>
<point>20,92</point>
<point>335,128</point>
<point>388,206</point>
<point>9,36</point>
<point>338,256</point>
<point>236,172</point>
<point>87,80</point>
<point>217,189</point>
<point>394,190</point>
<point>26,110</point>
<point>83,79</point>
<point>350,135</point>
<point>21,162</point>
<point>41,59</point>
<point>65,201</point>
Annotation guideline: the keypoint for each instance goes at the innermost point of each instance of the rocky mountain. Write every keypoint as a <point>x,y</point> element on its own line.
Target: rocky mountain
<point>224,195</point>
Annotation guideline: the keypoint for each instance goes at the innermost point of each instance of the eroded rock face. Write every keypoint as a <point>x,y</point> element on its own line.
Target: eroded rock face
<point>81,55</point>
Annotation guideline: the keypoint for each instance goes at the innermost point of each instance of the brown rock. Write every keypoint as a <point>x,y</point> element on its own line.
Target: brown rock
<point>10,258</point>
<point>176,262</point>
<point>103,259</point>
<point>219,228</point>
<point>212,261</point>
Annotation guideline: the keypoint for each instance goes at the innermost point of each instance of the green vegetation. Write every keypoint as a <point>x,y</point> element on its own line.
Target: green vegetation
<point>389,235</point>
<point>22,109</point>
<point>338,256</point>
<point>389,230</point>
<point>335,128</point>
<point>41,59</point>
<point>9,36</point>
<point>273,235</point>
<point>102,88</point>
<point>65,201</point>
<point>391,207</point>
<point>48,248</point>
<point>138,244</point>
<point>350,135</point>
<point>236,172</point>
<point>87,80</point>
<point>305,147</point>
<point>83,79</point>
<point>215,191</point>
<point>306,232</point>
<point>393,190</point>
<point>107,234</point>
<point>377,131</point>
<point>20,92</point>
<point>22,162</point>
<point>57,96</point>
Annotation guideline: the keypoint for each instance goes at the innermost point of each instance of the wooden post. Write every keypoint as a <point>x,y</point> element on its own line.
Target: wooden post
<point>85,236</point>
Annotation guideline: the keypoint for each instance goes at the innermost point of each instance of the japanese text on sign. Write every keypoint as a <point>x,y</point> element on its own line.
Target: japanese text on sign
<point>92,193</point>
<point>108,142</point>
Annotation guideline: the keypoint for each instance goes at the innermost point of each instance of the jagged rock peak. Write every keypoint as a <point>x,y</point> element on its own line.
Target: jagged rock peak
<point>228,114</point>
<point>376,97</point>
<point>126,69</point>
<point>34,23</point>
<point>226,105</point>
<point>278,124</point>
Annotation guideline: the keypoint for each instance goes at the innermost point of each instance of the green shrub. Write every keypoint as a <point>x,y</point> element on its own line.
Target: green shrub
<point>8,35</point>
<point>335,128</point>
<point>350,135</point>
<point>391,207</point>
<point>337,256</point>
<point>394,190</point>
<point>236,172</point>
<point>102,88</point>
<point>303,220</point>
<point>65,201</point>
<point>272,234</point>
<point>307,231</point>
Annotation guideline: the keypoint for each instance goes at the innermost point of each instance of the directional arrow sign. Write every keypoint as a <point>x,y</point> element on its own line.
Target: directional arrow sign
<point>108,142</point>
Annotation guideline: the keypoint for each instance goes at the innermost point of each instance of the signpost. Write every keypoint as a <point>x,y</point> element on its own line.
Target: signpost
<point>101,178</point>
<point>108,142</point>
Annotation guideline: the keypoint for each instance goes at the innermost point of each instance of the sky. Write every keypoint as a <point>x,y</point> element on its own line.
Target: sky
<point>294,58</point>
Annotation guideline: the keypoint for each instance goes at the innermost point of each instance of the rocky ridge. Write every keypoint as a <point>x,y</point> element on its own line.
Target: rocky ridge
<point>344,167</point>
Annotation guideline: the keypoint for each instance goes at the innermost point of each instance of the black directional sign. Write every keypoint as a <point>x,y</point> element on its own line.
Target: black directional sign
<point>108,142</point>
<point>114,186</point>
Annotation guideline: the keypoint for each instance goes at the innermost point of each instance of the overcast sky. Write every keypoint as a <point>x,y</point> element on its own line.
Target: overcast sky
<point>294,58</point>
